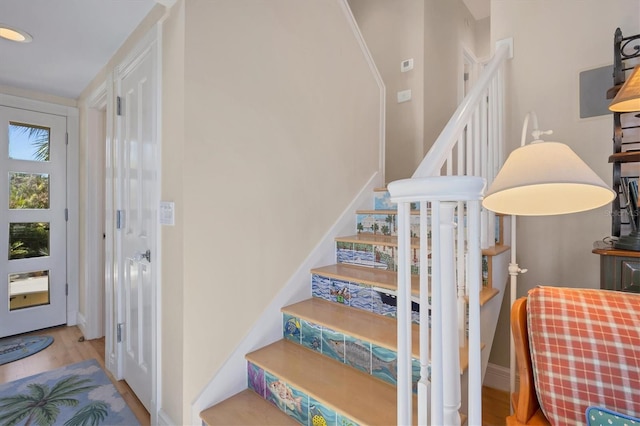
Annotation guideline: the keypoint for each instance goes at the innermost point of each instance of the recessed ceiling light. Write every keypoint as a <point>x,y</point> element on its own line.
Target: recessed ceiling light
<point>14,34</point>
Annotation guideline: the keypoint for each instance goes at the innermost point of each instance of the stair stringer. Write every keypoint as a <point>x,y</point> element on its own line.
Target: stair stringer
<point>231,378</point>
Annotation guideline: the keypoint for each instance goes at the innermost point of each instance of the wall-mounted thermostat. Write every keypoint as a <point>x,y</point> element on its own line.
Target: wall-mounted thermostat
<point>406,65</point>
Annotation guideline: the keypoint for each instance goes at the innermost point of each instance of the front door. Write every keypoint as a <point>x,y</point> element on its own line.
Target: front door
<point>33,165</point>
<point>137,217</point>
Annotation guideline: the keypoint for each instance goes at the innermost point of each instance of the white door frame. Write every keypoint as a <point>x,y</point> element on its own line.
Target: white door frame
<point>72,116</point>
<point>113,284</point>
<point>92,320</point>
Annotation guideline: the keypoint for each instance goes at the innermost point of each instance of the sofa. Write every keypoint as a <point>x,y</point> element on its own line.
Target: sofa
<point>578,357</point>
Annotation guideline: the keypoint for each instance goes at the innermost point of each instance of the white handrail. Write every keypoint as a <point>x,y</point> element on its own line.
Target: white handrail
<point>444,144</point>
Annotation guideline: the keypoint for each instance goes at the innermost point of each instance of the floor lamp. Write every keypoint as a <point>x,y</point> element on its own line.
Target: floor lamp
<point>542,179</point>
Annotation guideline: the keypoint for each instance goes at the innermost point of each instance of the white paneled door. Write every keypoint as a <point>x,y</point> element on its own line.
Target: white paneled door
<point>137,177</point>
<point>33,250</point>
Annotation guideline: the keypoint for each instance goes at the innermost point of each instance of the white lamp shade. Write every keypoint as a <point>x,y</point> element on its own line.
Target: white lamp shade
<point>628,97</point>
<point>546,178</point>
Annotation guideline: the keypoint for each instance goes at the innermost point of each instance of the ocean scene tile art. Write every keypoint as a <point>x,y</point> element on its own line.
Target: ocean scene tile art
<point>361,297</point>
<point>357,353</point>
<point>311,336</point>
<point>384,364</point>
<point>321,415</point>
<point>255,377</point>
<point>331,349</point>
<point>291,328</point>
<point>288,399</point>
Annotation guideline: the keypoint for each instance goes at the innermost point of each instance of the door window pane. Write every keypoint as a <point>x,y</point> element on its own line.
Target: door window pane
<point>28,142</point>
<point>28,240</point>
<point>28,190</point>
<point>28,289</point>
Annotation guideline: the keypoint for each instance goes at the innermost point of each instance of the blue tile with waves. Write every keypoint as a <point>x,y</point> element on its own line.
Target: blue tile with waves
<point>311,336</point>
<point>321,287</point>
<point>384,364</point>
<point>329,346</point>
<point>361,296</point>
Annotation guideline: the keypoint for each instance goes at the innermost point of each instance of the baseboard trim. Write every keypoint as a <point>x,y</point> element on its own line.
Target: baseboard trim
<point>164,419</point>
<point>498,377</point>
<point>82,323</point>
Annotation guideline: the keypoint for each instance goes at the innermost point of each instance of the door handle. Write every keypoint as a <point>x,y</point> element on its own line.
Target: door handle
<point>143,255</point>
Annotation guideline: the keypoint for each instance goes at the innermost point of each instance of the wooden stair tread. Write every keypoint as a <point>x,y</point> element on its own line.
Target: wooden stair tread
<point>363,325</point>
<point>392,241</point>
<point>362,274</point>
<point>246,408</point>
<point>486,294</point>
<point>495,250</point>
<point>356,395</point>
<point>376,239</point>
<point>382,278</point>
<point>385,212</point>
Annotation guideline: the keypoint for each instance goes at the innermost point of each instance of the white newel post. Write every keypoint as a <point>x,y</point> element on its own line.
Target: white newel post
<point>403,316</point>
<point>423,383</point>
<point>448,301</point>
<point>437,376</point>
<point>445,195</point>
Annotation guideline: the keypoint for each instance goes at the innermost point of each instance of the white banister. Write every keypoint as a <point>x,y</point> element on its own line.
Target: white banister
<point>451,238</point>
<point>439,151</point>
<point>403,300</point>
<point>441,196</point>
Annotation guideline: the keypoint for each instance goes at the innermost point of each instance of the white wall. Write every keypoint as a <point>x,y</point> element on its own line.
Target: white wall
<point>553,42</point>
<point>279,131</point>
<point>433,33</point>
<point>172,238</point>
<point>394,31</point>
<point>448,27</point>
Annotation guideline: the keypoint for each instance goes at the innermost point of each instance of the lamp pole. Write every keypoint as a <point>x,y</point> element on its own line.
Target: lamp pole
<point>514,270</point>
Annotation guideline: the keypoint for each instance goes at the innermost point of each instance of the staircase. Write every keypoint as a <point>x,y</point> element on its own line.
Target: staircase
<point>369,347</point>
<point>337,360</point>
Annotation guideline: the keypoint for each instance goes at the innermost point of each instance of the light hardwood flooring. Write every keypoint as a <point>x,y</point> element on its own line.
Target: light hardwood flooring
<point>495,406</point>
<point>67,348</point>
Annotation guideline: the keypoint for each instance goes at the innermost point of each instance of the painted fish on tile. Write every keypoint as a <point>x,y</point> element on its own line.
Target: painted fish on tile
<point>317,419</point>
<point>285,397</point>
<point>292,327</point>
<point>358,355</point>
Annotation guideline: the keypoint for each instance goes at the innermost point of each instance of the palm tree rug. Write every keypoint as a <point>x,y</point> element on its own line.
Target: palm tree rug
<point>76,395</point>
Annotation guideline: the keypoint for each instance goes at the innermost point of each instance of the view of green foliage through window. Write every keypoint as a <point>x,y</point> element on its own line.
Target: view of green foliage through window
<point>28,191</point>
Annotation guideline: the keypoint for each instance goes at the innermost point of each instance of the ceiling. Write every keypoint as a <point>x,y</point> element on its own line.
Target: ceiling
<point>72,41</point>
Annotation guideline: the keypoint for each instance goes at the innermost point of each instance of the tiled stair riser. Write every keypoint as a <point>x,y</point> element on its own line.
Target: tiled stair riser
<point>384,224</point>
<point>360,354</point>
<point>382,201</point>
<point>358,296</point>
<point>293,402</point>
<point>374,256</point>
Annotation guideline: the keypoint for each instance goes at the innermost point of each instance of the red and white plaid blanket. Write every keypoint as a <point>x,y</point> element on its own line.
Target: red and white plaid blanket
<point>585,350</point>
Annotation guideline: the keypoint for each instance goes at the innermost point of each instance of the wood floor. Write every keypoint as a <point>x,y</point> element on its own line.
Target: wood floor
<point>68,349</point>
